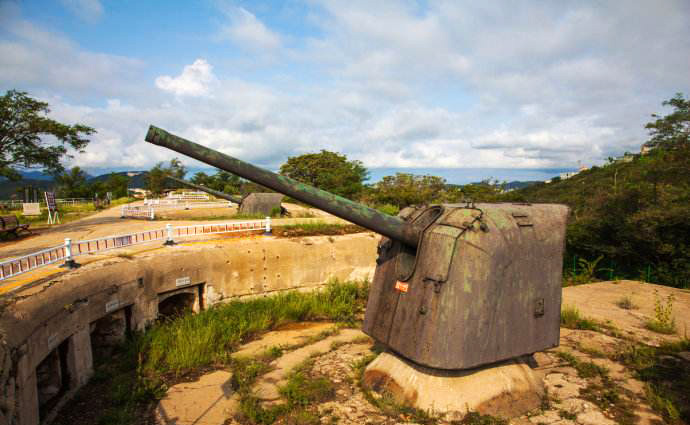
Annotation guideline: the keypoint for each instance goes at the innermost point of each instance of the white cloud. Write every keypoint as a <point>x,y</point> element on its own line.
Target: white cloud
<point>454,84</point>
<point>245,30</point>
<point>33,57</point>
<point>194,80</point>
<point>89,10</point>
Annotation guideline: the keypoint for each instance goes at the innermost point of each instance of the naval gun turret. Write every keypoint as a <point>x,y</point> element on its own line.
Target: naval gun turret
<point>254,203</point>
<point>456,286</point>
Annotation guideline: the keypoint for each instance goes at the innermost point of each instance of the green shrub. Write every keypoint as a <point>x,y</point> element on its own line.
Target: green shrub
<point>571,318</point>
<point>389,209</point>
<point>663,321</point>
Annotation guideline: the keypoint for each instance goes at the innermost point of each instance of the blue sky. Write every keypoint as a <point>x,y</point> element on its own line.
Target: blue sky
<point>504,90</point>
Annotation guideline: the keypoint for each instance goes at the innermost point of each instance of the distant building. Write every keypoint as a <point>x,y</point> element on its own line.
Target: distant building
<point>133,173</point>
<point>626,157</point>
<point>646,148</point>
<point>569,174</point>
<point>138,193</point>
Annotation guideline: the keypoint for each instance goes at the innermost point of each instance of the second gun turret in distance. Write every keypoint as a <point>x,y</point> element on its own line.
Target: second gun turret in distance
<point>217,194</point>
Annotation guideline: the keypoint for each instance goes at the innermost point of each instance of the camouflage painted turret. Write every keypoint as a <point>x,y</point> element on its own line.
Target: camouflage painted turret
<point>266,204</point>
<point>456,286</point>
<point>217,194</point>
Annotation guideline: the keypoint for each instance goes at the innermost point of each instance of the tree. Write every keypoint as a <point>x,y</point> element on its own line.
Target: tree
<point>405,189</point>
<point>221,181</point>
<point>672,130</point>
<point>329,171</point>
<point>72,184</point>
<point>117,184</point>
<point>29,139</point>
<point>157,180</point>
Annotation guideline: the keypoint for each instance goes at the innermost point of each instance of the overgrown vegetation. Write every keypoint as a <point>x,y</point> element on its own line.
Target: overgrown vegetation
<point>572,319</point>
<point>667,376</point>
<point>601,389</point>
<point>140,371</point>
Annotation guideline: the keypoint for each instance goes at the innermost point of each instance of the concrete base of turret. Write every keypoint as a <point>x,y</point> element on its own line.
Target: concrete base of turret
<point>505,389</point>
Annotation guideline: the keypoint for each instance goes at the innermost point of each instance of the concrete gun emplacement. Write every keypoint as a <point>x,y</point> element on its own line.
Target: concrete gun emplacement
<point>456,286</point>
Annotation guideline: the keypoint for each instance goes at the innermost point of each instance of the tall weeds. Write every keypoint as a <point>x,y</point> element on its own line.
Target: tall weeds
<point>209,337</point>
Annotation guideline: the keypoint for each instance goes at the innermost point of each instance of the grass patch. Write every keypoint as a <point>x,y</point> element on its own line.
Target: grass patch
<point>303,390</point>
<point>316,228</point>
<point>300,392</point>
<point>572,319</point>
<point>474,418</point>
<point>564,414</point>
<point>626,303</point>
<point>584,369</point>
<point>209,337</point>
<point>667,377</point>
<point>601,389</point>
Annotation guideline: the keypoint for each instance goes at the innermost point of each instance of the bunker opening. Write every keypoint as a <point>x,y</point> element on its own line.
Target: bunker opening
<point>110,331</point>
<point>181,301</point>
<point>52,378</point>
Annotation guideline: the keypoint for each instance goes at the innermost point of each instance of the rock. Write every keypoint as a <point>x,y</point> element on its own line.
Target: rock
<point>294,334</point>
<point>208,401</point>
<point>563,387</point>
<point>593,417</point>
<point>267,386</point>
<point>505,389</point>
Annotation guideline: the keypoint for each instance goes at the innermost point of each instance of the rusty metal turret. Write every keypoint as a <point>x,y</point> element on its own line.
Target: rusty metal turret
<point>456,286</point>
<point>217,194</point>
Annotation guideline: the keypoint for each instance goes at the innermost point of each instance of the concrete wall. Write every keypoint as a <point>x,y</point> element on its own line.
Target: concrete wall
<point>38,320</point>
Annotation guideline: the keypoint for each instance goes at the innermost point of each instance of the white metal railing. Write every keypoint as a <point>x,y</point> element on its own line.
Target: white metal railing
<point>17,204</point>
<point>143,212</point>
<point>158,201</point>
<point>31,261</point>
<point>192,205</point>
<point>169,233</point>
<point>189,196</point>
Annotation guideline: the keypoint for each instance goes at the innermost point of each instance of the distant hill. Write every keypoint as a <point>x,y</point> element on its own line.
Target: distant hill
<point>520,185</point>
<point>44,182</point>
<point>137,179</point>
<point>632,214</point>
<point>16,188</point>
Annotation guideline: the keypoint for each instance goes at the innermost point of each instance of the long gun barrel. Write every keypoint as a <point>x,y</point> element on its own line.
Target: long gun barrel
<point>387,225</point>
<point>235,199</point>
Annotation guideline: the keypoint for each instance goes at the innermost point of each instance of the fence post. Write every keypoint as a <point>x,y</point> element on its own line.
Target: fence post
<point>122,212</point>
<point>69,261</point>
<point>152,214</point>
<point>169,235</point>
<point>267,231</point>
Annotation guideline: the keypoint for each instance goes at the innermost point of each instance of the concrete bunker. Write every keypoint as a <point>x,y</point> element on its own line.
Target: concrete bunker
<point>180,301</point>
<point>52,378</point>
<point>109,331</point>
<point>64,326</point>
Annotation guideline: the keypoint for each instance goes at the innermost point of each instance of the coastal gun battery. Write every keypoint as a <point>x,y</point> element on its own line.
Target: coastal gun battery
<point>456,286</point>
<point>254,203</point>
